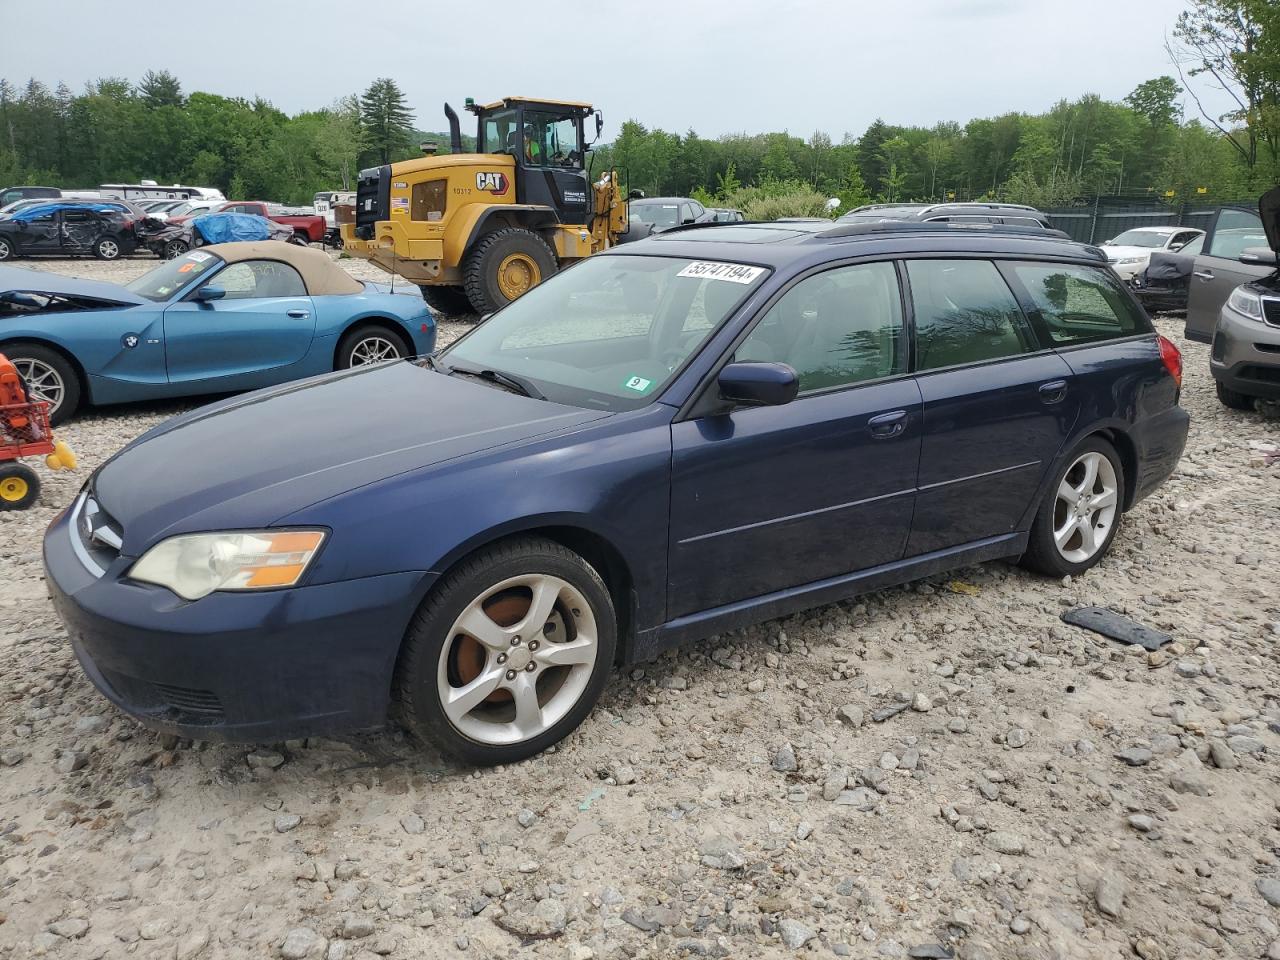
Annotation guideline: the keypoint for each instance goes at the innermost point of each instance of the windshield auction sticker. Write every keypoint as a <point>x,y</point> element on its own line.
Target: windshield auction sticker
<point>638,384</point>
<point>733,272</point>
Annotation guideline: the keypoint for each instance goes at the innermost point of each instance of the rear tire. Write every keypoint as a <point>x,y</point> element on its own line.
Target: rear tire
<point>504,265</point>
<point>372,343</point>
<point>174,249</point>
<point>1077,521</point>
<point>301,239</point>
<point>107,248</point>
<point>19,486</point>
<point>7,249</point>
<point>1233,398</point>
<point>451,301</point>
<point>534,682</point>
<point>48,376</point>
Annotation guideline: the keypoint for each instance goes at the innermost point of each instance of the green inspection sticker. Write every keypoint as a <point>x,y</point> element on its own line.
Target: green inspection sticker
<point>638,384</point>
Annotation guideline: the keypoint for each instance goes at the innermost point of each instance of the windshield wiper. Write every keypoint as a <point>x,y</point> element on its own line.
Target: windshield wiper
<point>518,384</point>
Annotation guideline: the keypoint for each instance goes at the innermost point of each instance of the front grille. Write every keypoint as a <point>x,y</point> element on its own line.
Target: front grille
<point>1259,374</point>
<point>165,700</point>
<point>373,200</point>
<point>1271,311</point>
<point>96,535</point>
<point>194,703</point>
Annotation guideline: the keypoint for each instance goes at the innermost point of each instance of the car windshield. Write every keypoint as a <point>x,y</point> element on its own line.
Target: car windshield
<point>172,275</point>
<point>1139,238</point>
<point>658,214</point>
<point>610,332</point>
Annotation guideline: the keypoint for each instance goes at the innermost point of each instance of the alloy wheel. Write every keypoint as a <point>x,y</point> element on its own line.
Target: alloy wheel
<point>43,381</point>
<point>1085,508</point>
<point>517,659</point>
<point>108,249</point>
<point>373,349</point>
<point>6,251</point>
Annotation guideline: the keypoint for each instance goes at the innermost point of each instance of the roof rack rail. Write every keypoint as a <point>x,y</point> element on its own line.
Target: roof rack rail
<point>979,205</point>
<point>924,227</point>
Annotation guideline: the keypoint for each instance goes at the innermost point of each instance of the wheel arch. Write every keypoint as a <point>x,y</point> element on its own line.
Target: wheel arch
<point>500,216</point>
<point>86,389</point>
<point>1116,434</point>
<point>374,320</point>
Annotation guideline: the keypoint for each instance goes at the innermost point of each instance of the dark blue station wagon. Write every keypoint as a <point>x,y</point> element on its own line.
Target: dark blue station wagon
<point>675,438</point>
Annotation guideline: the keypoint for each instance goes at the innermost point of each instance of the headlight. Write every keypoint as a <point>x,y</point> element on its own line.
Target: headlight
<point>1246,303</point>
<point>195,565</point>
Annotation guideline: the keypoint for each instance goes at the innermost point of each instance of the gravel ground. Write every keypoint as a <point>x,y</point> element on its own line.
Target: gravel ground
<point>945,767</point>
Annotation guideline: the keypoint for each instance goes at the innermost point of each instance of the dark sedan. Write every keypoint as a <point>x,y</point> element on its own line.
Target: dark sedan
<point>67,228</point>
<point>673,439</point>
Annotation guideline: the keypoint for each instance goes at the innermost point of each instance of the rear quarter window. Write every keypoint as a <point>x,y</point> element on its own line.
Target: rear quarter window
<point>1077,304</point>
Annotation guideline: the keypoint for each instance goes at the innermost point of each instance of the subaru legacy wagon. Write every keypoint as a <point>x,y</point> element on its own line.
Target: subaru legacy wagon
<point>675,438</point>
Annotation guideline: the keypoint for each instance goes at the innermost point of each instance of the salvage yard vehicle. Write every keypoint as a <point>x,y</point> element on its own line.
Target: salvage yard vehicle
<point>1245,360</point>
<point>1008,214</point>
<point>664,213</point>
<point>65,228</point>
<point>233,316</point>
<point>1164,286</point>
<point>200,229</point>
<point>9,194</point>
<point>150,190</point>
<point>477,230</point>
<point>673,439</point>
<point>1131,251</point>
<point>1235,250</point>
<point>306,227</point>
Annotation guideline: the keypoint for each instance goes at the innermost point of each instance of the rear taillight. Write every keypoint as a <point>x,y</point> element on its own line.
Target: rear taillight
<point>1172,358</point>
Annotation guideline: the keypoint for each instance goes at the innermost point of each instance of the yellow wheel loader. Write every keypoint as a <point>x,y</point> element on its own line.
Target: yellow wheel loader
<point>477,230</point>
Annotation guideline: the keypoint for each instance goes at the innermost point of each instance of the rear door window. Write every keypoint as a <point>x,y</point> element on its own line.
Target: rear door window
<point>964,313</point>
<point>1235,232</point>
<point>1077,304</point>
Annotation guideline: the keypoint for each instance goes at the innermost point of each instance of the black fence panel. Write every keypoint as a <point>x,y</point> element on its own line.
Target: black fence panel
<point>1105,218</point>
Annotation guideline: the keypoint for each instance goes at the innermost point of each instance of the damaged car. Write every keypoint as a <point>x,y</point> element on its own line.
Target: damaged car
<point>66,229</point>
<point>175,239</point>
<point>223,318</point>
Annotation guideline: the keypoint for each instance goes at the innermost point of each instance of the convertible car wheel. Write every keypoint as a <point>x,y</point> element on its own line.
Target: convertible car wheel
<point>370,345</point>
<point>509,652</point>
<point>48,377</point>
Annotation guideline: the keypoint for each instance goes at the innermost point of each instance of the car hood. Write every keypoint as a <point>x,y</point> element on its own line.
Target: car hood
<point>1269,210</point>
<point>249,461</point>
<point>38,281</point>
<point>1120,253</point>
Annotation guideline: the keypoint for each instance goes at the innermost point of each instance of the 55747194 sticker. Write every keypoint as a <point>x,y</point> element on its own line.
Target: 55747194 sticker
<point>713,270</point>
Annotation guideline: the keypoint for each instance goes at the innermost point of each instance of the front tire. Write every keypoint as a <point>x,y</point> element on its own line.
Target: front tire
<point>19,486</point>
<point>301,239</point>
<point>48,377</point>
<point>107,248</point>
<point>7,250</point>
<point>451,301</point>
<point>1234,398</point>
<point>505,265</point>
<point>370,344</point>
<point>1078,519</point>
<point>508,653</point>
<point>174,249</point>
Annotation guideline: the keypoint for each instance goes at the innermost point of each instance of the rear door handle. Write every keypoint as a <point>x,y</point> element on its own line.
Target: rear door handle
<point>888,425</point>
<point>1053,391</point>
<point>1204,274</point>
<point>299,314</point>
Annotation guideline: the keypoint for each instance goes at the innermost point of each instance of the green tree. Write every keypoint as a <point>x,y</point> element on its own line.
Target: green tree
<point>160,89</point>
<point>385,119</point>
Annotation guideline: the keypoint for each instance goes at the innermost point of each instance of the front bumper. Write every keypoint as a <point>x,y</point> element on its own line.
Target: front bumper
<point>1127,271</point>
<point>255,667</point>
<point>1246,355</point>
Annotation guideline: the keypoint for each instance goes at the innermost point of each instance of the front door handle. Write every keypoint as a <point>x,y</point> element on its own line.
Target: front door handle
<point>299,314</point>
<point>888,425</point>
<point>1204,274</point>
<point>1053,391</point>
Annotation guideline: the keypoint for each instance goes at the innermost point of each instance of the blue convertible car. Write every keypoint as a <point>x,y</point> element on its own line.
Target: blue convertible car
<point>232,316</point>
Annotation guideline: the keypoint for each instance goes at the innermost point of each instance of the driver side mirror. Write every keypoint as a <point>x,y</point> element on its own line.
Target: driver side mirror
<point>758,384</point>
<point>1258,256</point>
<point>210,291</point>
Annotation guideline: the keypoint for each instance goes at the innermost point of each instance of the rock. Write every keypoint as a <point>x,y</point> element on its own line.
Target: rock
<point>357,928</point>
<point>920,703</point>
<point>755,686</point>
<point>1243,744</point>
<point>70,761</point>
<point>835,783</point>
<point>623,775</point>
<point>1109,892</point>
<point>87,726</point>
<point>851,715</point>
<point>1186,782</point>
<point>784,761</point>
<point>884,713</point>
<point>526,818</point>
<point>1142,823</point>
<point>1017,738</point>
<point>888,761</point>
<point>265,760</point>
<point>144,863</point>
<point>286,822</point>
<point>1020,925</point>
<point>859,798</point>
<point>72,928</point>
<point>522,918</point>
<point>1134,756</point>
<point>412,823</point>
<point>11,758</point>
<point>804,830</point>
<point>1223,757</point>
<point>930,951</point>
<point>191,946</point>
<point>633,916</point>
<point>721,853</point>
<point>794,933</point>
<point>302,943</point>
<point>1269,888</point>
<point>1002,841</point>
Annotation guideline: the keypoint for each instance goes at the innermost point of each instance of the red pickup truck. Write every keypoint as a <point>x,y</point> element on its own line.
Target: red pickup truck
<point>307,227</point>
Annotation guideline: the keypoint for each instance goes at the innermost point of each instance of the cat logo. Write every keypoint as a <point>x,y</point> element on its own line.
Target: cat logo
<point>495,183</point>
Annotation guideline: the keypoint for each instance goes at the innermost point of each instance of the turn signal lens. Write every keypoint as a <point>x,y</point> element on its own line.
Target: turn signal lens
<point>195,565</point>
<point>1172,358</point>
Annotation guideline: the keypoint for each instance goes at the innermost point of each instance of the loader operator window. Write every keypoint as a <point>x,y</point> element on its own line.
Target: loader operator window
<point>551,140</point>
<point>501,135</point>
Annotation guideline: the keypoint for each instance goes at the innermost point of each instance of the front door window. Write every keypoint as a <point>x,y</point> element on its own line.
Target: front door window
<point>550,140</point>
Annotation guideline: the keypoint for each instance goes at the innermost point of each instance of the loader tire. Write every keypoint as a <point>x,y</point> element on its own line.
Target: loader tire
<point>450,301</point>
<point>504,265</point>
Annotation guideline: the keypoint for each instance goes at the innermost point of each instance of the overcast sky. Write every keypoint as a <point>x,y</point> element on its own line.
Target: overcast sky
<point>715,67</point>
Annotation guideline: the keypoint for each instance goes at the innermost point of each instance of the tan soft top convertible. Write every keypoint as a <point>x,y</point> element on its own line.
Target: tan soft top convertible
<point>321,275</point>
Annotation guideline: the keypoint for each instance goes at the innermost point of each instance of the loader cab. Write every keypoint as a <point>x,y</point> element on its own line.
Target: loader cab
<point>546,138</point>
